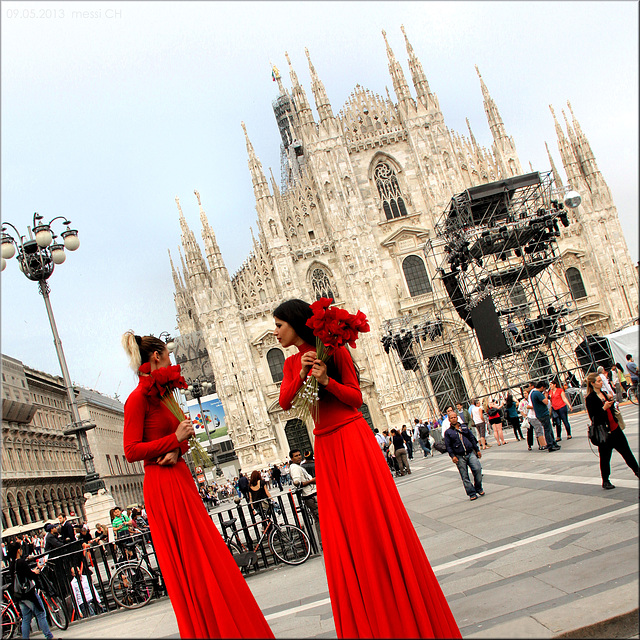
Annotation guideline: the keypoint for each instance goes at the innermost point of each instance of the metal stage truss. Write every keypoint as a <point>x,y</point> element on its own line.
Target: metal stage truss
<point>502,312</point>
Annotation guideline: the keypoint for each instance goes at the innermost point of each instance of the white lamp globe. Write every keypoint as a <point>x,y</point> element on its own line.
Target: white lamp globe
<point>71,241</point>
<point>572,199</point>
<point>44,236</point>
<point>8,250</point>
<point>57,254</point>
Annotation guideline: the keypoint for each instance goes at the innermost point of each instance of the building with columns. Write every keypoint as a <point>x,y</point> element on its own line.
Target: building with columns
<point>360,193</point>
<point>42,471</point>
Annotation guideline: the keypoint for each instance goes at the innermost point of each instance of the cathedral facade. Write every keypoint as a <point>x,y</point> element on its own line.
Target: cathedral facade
<point>361,191</point>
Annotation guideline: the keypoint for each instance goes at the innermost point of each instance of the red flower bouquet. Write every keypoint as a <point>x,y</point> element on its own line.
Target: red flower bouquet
<point>164,383</point>
<point>333,328</point>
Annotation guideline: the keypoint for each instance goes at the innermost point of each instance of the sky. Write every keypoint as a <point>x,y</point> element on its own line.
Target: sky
<point>112,109</point>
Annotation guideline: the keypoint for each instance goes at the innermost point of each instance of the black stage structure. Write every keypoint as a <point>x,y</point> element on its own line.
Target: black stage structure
<point>501,312</point>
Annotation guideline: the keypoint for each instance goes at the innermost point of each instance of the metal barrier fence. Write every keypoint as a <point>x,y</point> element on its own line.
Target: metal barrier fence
<point>99,561</point>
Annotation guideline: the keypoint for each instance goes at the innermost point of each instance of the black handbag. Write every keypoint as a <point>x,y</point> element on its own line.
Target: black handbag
<point>22,586</point>
<point>598,434</point>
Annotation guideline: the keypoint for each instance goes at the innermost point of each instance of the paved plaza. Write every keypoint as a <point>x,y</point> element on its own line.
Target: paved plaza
<point>546,553</point>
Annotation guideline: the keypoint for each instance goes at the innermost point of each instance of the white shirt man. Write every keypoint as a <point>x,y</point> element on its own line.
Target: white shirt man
<point>605,382</point>
<point>301,479</point>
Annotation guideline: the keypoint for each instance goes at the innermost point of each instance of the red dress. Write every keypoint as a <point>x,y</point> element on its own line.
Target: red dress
<point>210,597</point>
<point>373,556</point>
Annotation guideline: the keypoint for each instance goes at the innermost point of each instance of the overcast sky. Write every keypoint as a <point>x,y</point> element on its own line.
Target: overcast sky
<point>111,109</point>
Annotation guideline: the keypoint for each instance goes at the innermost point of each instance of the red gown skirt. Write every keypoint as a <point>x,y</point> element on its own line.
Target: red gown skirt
<point>380,581</point>
<point>210,597</point>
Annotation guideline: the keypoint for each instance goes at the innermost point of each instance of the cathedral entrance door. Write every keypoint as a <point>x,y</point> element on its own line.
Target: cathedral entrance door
<point>297,435</point>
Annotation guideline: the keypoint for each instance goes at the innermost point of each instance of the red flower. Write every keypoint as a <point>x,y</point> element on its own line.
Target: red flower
<point>335,327</point>
<point>164,379</point>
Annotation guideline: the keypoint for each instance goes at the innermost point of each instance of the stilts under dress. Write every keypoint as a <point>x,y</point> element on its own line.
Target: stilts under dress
<point>374,559</point>
<point>210,597</point>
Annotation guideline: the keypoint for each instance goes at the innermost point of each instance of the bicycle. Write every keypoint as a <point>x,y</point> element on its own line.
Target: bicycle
<point>54,604</point>
<point>632,393</point>
<point>132,585</point>
<point>287,543</point>
<point>11,616</point>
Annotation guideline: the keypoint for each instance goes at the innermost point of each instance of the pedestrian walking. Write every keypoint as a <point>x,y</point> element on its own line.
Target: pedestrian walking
<point>477,415</point>
<point>512,416</point>
<point>463,448</point>
<point>307,486</point>
<point>276,476</point>
<point>560,405</point>
<point>494,414</point>
<point>408,441</point>
<point>423,437</point>
<point>600,407</point>
<point>400,452</point>
<point>372,553</point>
<point>540,401</point>
<point>209,595</point>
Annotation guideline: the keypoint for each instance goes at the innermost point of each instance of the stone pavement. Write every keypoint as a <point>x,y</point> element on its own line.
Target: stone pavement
<point>546,553</point>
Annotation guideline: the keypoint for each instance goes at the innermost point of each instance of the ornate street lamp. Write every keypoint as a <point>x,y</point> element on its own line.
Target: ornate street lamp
<point>37,257</point>
<point>198,388</point>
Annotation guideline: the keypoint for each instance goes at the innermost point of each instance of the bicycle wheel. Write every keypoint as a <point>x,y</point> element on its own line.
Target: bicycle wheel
<point>132,586</point>
<point>632,394</point>
<point>56,610</point>
<point>10,623</point>
<point>289,544</point>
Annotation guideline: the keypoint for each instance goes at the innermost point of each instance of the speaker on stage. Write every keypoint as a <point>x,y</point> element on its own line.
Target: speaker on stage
<point>488,329</point>
<point>452,285</point>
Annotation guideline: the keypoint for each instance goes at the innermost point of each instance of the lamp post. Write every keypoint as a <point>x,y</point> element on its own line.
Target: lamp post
<point>37,257</point>
<point>198,388</point>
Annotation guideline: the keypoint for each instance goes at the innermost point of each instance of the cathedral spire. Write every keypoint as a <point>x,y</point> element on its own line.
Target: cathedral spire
<point>260,185</point>
<point>275,74</point>
<point>300,101</point>
<point>177,280</point>
<point>213,253</point>
<point>503,145</point>
<point>587,160</point>
<point>428,99</point>
<point>322,101</point>
<point>476,148</point>
<point>568,156</point>
<point>556,176</point>
<point>397,76</point>
<point>196,270</point>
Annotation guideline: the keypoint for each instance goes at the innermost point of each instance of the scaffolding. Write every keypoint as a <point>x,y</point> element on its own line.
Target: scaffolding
<point>495,249</point>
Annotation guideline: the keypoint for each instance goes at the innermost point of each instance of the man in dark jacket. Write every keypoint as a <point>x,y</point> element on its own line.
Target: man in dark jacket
<point>276,474</point>
<point>463,448</point>
<point>243,485</point>
<point>67,532</point>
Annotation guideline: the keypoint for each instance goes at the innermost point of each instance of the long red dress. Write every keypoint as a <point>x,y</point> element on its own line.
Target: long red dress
<point>373,556</point>
<point>210,597</point>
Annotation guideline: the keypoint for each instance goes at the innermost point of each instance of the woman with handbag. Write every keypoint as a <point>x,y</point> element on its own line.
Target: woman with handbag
<point>601,410</point>
<point>24,591</point>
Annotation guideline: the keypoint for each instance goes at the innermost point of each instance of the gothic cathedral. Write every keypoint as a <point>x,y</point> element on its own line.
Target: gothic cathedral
<point>360,193</point>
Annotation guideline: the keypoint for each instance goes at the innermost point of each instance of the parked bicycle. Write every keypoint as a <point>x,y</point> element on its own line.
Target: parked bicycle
<point>11,616</point>
<point>133,585</point>
<point>632,393</point>
<point>288,543</point>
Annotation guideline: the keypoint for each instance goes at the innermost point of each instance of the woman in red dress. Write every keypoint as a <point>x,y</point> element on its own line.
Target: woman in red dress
<point>209,595</point>
<point>371,550</point>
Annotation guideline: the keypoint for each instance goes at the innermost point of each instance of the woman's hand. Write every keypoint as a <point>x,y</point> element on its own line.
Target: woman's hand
<point>169,459</point>
<point>185,430</point>
<point>307,360</point>
<point>319,372</point>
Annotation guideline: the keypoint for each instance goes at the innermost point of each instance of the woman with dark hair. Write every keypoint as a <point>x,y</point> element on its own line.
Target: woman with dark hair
<point>599,408</point>
<point>511,414</point>
<point>209,595</point>
<point>372,553</point>
<point>259,495</point>
<point>30,603</point>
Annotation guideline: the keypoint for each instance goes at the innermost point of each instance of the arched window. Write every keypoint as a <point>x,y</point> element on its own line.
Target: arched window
<point>389,191</point>
<point>275,358</point>
<point>576,285</point>
<point>320,284</point>
<point>415,274</point>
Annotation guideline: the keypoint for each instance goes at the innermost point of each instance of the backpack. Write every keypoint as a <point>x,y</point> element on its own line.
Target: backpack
<point>423,431</point>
